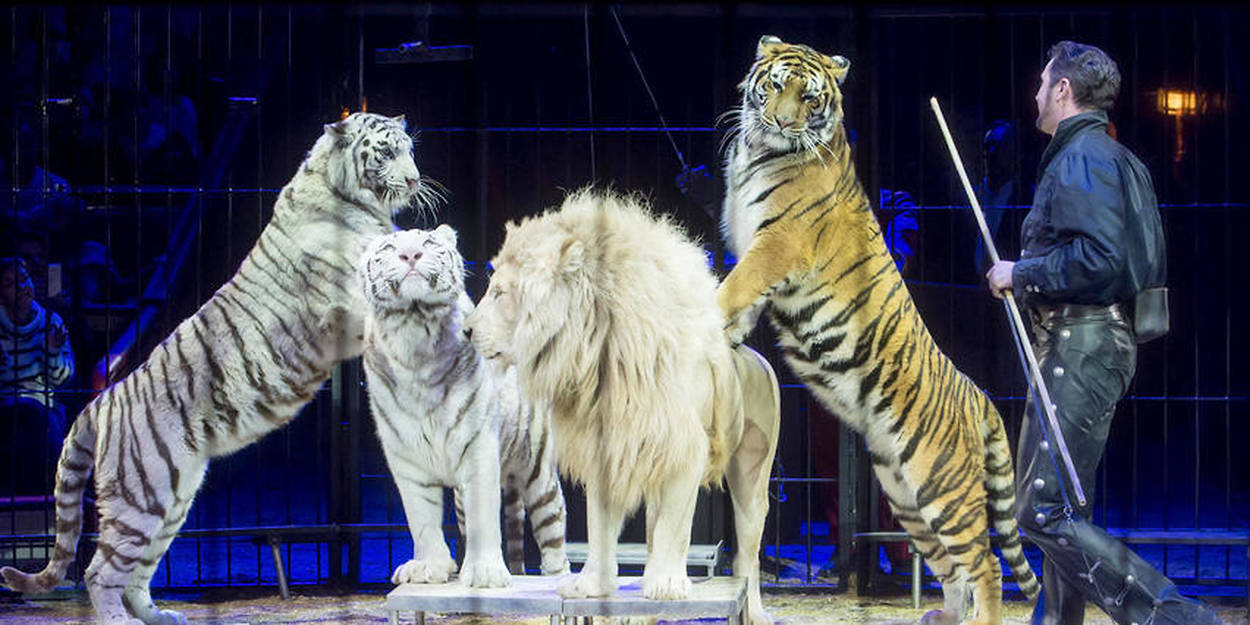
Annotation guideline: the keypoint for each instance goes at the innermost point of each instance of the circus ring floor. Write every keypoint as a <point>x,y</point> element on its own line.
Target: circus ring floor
<point>235,606</point>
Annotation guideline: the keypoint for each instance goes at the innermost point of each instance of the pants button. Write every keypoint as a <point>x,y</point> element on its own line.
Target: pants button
<point>1039,483</point>
<point>1058,372</point>
<point>1065,333</point>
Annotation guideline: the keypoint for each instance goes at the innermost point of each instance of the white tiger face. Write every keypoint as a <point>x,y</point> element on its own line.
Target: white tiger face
<point>790,96</point>
<point>372,162</point>
<point>412,267</point>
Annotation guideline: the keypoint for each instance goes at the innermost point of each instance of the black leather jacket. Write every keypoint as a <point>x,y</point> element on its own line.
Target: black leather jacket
<point>1093,235</point>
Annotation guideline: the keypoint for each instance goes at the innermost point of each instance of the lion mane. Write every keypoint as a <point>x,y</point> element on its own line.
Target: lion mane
<point>617,327</point>
<point>610,314</point>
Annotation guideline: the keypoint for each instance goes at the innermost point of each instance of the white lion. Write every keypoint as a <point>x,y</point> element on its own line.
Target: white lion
<point>610,315</point>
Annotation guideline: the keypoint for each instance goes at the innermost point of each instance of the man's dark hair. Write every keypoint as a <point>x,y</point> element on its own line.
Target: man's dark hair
<point>1094,77</point>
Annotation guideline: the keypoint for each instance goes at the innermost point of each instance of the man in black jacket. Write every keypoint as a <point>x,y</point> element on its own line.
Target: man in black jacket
<point>1092,243</point>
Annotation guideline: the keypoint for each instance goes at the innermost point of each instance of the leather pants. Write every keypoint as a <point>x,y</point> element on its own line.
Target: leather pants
<point>1087,362</point>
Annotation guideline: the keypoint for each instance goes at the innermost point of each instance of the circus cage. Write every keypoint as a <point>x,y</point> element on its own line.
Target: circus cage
<point>144,147</point>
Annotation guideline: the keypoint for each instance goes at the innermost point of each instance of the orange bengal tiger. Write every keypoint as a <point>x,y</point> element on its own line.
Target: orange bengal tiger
<point>809,245</point>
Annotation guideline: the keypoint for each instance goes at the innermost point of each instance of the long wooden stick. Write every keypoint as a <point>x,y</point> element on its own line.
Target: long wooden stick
<point>1053,433</point>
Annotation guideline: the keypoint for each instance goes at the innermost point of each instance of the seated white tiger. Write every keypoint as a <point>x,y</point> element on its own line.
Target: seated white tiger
<point>446,416</point>
<point>242,366</point>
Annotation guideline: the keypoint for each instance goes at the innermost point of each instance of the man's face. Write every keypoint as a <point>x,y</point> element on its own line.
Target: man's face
<point>16,290</point>
<point>1047,103</point>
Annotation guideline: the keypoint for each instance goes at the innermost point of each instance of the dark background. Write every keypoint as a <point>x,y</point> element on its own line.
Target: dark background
<point>172,129</point>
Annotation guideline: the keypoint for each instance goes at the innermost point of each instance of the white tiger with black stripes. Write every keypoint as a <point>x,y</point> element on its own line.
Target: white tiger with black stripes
<point>242,366</point>
<point>446,416</point>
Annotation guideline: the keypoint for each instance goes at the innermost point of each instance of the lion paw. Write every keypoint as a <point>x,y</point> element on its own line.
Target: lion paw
<point>485,573</point>
<point>665,586</point>
<point>433,570</point>
<point>583,585</point>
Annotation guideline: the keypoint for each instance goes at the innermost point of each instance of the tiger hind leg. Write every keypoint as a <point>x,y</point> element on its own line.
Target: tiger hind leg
<point>544,502</point>
<point>513,527</point>
<point>126,537</point>
<point>973,565</point>
<point>138,596</point>
<point>902,503</point>
<point>928,547</point>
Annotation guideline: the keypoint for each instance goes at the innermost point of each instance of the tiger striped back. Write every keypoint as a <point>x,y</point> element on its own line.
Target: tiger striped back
<point>810,247</point>
<point>240,367</point>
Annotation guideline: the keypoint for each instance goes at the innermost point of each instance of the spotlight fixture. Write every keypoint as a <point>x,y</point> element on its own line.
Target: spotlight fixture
<point>1182,103</point>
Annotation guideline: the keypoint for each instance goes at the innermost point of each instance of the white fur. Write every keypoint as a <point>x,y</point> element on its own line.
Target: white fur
<point>239,368</point>
<point>447,417</point>
<point>610,315</point>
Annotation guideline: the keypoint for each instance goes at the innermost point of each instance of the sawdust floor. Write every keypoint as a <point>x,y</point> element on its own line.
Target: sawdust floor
<point>233,607</point>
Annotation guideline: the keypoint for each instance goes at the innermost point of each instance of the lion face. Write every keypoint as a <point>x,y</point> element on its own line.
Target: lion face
<point>412,267</point>
<point>790,97</point>
<point>536,280</point>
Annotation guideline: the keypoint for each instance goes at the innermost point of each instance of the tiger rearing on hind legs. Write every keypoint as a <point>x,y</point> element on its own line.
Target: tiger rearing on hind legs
<point>811,250</point>
<point>242,366</point>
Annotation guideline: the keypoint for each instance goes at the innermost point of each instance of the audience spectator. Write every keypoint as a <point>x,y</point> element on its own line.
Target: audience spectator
<point>35,358</point>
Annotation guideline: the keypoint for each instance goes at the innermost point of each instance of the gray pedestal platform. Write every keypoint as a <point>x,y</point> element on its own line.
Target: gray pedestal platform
<point>534,595</point>
<point>714,596</point>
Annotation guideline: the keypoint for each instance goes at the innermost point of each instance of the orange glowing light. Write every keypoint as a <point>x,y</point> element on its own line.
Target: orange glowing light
<point>1179,103</point>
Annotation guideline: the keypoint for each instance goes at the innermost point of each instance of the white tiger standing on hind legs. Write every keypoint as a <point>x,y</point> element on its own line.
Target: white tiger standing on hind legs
<point>446,416</point>
<point>242,366</point>
<point>610,315</point>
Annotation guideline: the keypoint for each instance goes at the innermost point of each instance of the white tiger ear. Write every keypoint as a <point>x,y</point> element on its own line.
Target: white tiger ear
<point>338,130</point>
<point>572,255</point>
<point>399,119</point>
<point>840,66</point>
<point>446,234</point>
<point>767,44</point>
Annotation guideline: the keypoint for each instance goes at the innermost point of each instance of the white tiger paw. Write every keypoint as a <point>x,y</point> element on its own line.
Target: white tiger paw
<point>757,616</point>
<point>938,617</point>
<point>662,587</point>
<point>584,585</point>
<point>432,570</point>
<point>166,617</point>
<point>485,573</point>
<point>553,566</point>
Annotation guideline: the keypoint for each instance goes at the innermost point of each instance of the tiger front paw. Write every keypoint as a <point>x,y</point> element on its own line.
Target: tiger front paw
<point>432,570</point>
<point>738,330</point>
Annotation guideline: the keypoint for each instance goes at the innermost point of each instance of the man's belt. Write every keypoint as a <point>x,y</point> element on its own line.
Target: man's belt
<point>1046,312</point>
